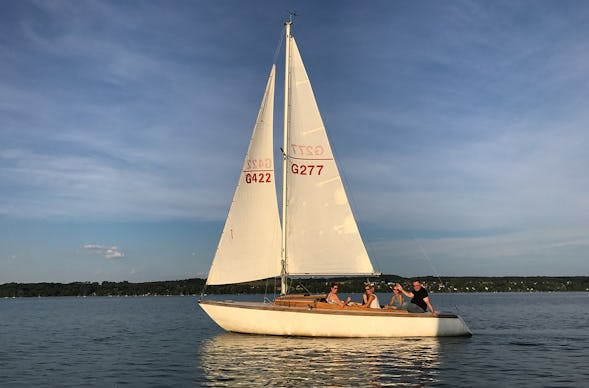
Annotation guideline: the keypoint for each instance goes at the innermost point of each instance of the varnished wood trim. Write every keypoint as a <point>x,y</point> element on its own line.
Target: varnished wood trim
<point>312,310</point>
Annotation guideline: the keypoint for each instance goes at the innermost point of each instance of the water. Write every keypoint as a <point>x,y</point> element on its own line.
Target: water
<point>539,339</point>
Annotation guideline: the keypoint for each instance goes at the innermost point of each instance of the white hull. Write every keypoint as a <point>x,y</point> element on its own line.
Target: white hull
<point>270,319</point>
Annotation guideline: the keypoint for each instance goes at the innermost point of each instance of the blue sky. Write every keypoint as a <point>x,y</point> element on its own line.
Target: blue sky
<point>461,129</point>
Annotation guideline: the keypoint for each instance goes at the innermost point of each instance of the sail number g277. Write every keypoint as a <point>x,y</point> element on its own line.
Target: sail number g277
<point>308,153</point>
<point>307,150</point>
<point>306,169</point>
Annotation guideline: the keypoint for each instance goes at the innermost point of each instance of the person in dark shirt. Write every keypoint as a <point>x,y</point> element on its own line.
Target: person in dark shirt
<point>419,299</point>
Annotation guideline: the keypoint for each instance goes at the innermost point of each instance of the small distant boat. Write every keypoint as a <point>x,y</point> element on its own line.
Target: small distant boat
<point>318,236</point>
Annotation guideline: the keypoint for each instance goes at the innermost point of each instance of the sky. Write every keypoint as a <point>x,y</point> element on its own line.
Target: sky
<point>461,130</point>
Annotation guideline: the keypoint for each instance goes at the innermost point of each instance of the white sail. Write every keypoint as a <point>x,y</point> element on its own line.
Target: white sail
<point>249,248</point>
<point>321,233</point>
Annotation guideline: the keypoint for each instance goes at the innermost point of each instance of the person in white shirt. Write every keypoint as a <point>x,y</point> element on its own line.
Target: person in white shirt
<point>370,298</point>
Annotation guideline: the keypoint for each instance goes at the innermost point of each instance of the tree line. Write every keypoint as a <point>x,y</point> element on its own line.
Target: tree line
<point>196,286</point>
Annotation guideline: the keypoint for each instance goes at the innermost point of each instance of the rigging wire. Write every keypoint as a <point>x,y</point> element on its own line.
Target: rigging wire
<point>354,208</point>
<point>434,268</point>
<point>278,46</point>
<point>429,261</point>
<point>266,299</point>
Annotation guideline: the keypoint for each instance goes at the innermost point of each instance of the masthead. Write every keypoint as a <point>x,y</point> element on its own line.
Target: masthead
<point>291,15</point>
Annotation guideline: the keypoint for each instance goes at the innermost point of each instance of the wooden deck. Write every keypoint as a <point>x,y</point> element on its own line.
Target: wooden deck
<point>318,302</point>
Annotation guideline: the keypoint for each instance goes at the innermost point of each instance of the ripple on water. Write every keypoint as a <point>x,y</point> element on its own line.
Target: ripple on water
<point>247,360</point>
<point>160,341</point>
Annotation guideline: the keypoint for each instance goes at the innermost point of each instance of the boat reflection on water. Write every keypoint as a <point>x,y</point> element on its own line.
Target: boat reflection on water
<point>252,360</point>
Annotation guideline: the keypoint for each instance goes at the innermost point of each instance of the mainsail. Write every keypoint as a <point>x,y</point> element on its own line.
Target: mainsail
<point>321,233</point>
<point>249,248</point>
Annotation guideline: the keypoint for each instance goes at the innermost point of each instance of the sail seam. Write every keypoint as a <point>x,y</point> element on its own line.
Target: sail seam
<point>294,157</point>
<point>352,274</point>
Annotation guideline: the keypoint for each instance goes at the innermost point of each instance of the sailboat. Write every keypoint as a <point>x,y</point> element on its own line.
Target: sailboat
<point>318,234</point>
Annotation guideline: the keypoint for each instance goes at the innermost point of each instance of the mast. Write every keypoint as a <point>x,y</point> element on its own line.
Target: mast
<point>283,259</point>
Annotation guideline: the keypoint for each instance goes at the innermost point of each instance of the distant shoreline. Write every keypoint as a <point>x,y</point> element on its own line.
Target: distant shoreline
<point>443,284</point>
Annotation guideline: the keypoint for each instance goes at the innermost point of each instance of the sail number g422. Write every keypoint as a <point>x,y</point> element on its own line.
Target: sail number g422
<point>252,164</point>
<point>258,177</point>
<point>306,169</point>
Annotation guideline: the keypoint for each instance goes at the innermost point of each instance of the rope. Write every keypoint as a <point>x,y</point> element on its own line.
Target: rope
<point>279,46</point>
<point>429,261</point>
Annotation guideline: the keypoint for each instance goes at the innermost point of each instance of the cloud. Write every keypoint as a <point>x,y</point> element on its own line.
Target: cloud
<point>106,139</point>
<point>111,252</point>
<point>472,120</point>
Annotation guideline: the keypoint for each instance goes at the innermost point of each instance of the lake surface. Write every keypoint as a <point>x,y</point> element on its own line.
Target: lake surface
<point>536,339</point>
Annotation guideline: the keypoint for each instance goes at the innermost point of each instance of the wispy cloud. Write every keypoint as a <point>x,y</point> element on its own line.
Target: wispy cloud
<point>462,117</point>
<point>109,252</point>
<point>116,122</point>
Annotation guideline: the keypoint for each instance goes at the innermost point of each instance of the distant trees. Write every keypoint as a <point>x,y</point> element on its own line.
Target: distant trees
<point>174,287</point>
<point>316,285</point>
